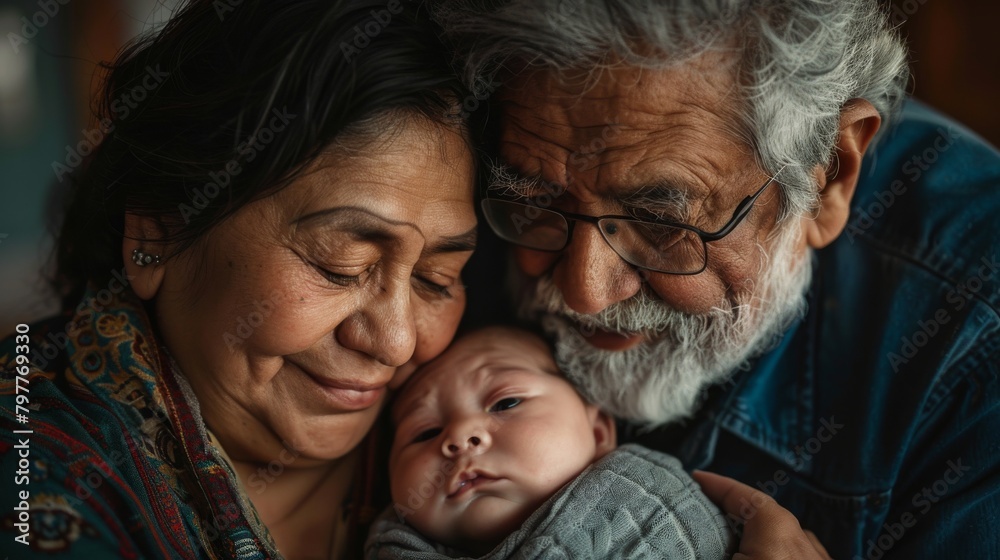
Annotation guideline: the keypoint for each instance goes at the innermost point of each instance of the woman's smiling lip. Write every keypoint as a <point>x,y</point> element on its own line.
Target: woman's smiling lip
<point>348,394</point>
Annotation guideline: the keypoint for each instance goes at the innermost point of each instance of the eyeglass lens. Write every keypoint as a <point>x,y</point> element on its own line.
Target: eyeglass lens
<point>656,247</point>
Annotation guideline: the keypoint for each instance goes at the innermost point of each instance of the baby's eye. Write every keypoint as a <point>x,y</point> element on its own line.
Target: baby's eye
<point>505,404</point>
<point>427,435</point>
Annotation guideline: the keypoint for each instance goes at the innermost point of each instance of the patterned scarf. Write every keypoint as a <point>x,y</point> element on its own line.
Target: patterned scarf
<point>120,460</point>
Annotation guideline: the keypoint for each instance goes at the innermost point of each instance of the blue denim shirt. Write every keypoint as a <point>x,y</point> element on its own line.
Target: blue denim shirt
<point>876,419</point>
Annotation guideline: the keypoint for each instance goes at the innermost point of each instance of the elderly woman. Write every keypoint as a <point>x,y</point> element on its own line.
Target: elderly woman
<point>268,238</point>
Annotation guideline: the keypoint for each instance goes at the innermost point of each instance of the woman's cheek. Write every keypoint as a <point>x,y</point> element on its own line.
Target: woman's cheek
<point>435,323</point>
<point>436,326</point>
<point>287,322</point>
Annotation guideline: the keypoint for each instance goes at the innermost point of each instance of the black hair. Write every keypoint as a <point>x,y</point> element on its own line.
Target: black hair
<point>212,82</point>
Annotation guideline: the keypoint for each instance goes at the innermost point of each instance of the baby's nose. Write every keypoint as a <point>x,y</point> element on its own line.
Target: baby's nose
<point>471,441</point>
<point>474,441</point>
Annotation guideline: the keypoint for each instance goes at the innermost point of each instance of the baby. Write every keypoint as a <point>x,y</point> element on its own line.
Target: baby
<point>490,443</point>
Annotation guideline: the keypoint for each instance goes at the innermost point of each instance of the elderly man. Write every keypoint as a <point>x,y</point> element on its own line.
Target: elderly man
<point>678,180</point>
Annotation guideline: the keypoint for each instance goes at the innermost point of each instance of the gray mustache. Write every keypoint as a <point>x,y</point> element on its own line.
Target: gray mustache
<point>639,314</point>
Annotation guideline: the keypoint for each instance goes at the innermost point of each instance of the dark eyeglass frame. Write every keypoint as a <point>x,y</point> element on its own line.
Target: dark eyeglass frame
<point>739,214</point>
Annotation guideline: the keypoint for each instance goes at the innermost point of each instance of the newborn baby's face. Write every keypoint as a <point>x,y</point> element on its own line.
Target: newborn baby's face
<point>485,434</point>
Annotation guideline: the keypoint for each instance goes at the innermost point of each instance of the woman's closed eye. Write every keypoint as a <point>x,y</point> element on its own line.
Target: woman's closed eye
<point>439,277</point>
<point>339,279</point>
<point>433,288</point>
<point>505,404</point>
<point>342,279</point>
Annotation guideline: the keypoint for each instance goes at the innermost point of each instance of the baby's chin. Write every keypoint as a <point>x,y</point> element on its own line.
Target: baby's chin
<point>486,522</point>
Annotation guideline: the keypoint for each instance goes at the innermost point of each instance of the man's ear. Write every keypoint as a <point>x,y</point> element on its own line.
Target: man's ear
<point>144,233</point>
<point>605,433</point>
<point>859,121</point>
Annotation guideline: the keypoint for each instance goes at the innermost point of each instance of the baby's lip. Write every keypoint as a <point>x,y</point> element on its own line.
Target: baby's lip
<point>467,480</point>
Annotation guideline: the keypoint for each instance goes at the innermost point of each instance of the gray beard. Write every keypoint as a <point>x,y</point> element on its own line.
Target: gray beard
<point>662,379</point>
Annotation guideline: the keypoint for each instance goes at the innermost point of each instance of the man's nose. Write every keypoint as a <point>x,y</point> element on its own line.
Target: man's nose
<point>590,275</point>
<point>471,437</point>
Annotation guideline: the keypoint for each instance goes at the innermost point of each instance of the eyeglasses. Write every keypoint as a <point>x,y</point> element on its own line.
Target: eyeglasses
<point>658,246</point>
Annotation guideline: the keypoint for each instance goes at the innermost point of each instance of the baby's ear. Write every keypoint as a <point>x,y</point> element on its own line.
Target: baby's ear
<point>605,434</point>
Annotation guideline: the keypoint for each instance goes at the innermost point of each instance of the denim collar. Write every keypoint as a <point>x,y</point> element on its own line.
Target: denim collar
<point>787,420</point>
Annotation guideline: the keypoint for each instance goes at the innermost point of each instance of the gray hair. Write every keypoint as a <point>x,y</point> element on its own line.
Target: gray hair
<point>802,60</point>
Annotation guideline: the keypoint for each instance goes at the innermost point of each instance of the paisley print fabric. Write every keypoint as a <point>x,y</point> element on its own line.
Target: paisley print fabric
<point>119,464</point>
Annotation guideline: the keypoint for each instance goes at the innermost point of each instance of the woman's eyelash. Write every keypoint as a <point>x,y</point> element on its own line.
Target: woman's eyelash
<point>353,280</point>
<point>339,279</point>
<point>437,289</point>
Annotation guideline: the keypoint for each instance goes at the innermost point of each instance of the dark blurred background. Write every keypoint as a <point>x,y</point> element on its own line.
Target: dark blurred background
<point>49,72</point>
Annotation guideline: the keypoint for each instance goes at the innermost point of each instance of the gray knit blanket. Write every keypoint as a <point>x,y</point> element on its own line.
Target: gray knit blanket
<point>633,503</point>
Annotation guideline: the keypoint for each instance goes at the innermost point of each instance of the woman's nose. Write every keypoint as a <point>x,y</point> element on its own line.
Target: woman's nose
<point>468,439</point>
<point>384,328</point>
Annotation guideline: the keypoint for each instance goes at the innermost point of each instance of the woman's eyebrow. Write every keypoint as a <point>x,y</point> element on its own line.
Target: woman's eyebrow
<point>454,243</point>
<point>355,216</point>
<point>363,223</point>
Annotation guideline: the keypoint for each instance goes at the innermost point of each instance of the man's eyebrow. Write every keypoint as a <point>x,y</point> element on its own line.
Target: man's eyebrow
<point>507,180</point>
<point>668,193</point>
<point>454,243</point>
<point>517,174</point>
<point>663,195</point>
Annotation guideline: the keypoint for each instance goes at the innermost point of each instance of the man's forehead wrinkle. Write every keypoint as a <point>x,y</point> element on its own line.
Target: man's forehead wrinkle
<point>711,194</point>
<point>706,186</point>
<point>533,161</point>
<point>678,149</point>
<point>529,118</point>
<point>718,122</point>
<point>677,126</point>
<point>531,153</point>
<point>579,113</point>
